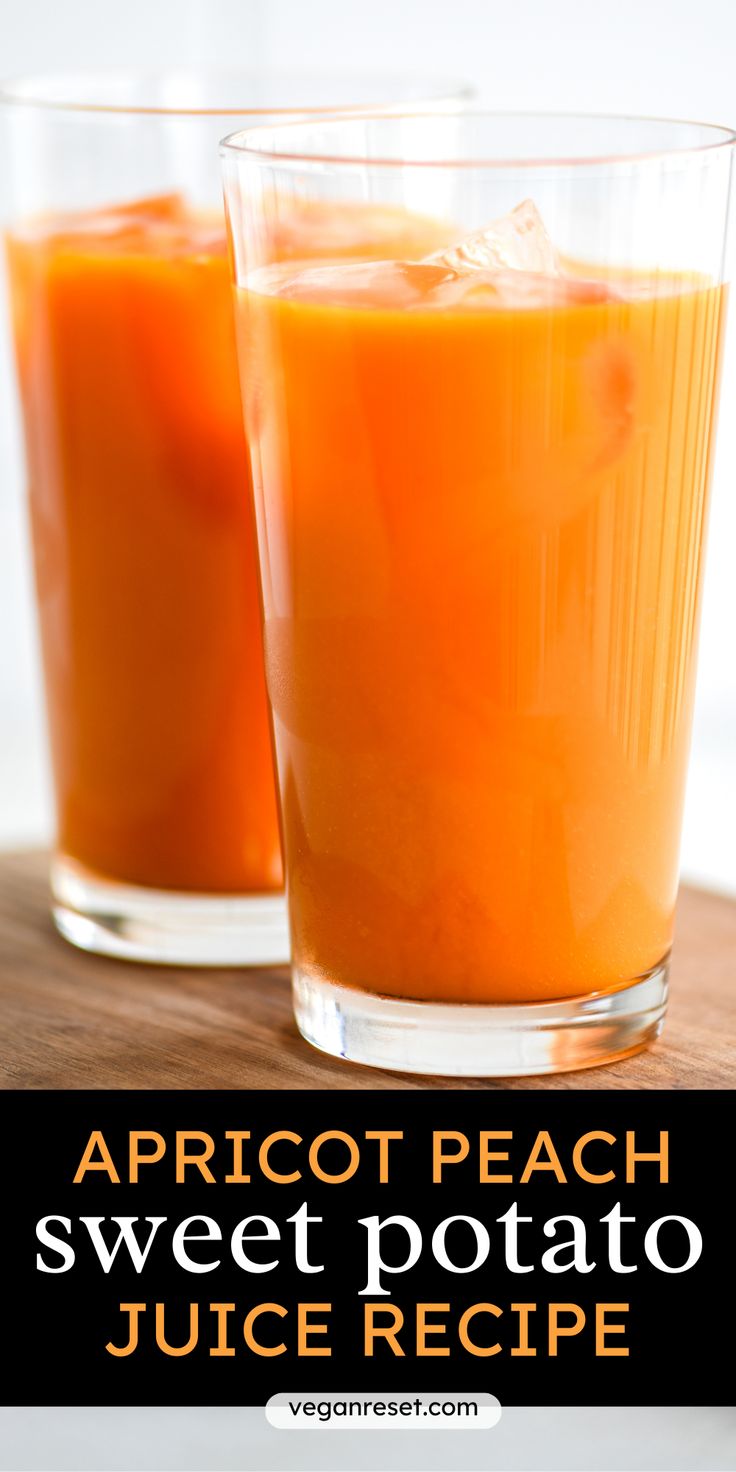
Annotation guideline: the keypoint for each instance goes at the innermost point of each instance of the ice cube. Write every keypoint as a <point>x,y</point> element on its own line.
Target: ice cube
<point>515,288</point>
<point>397,284</point>
<point>517,242</point>
<point>512,264</point>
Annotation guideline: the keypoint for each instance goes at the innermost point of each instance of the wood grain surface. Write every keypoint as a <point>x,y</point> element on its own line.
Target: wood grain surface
<point>69,1020</point>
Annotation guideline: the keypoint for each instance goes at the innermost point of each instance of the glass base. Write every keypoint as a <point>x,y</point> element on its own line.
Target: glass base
<point>166,927</point>
<point>470,1040</point>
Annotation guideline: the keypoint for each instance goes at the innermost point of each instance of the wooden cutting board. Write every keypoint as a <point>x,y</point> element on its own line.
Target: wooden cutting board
<point>69,1020</point>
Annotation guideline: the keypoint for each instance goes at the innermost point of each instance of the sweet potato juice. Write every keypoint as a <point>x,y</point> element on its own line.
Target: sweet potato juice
<point>480,516</point>
<point>143,539</point>
<point>144,551</point>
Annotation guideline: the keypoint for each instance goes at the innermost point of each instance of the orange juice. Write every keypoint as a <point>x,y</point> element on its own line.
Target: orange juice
<point>144,549</point>
<point>143,538</point>
<point>480,528</point>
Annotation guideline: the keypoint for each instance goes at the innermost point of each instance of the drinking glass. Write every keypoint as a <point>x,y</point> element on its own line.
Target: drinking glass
<point>168,840</point>
<point>481,476</point>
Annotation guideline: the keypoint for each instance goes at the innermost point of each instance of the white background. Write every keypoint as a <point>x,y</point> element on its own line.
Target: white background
<point>237,1439</point>
<point>672,57</point>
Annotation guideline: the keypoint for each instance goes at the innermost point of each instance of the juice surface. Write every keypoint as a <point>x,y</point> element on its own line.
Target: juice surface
<point>143,538</point>
<point>480,531</point>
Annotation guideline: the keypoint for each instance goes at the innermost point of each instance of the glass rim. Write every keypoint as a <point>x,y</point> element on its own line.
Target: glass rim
<point>244,143</point>
<point>28,91</point>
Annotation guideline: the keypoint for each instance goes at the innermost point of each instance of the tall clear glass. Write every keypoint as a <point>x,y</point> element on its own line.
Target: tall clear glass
<point>481,478</point>
<point>168,838</point>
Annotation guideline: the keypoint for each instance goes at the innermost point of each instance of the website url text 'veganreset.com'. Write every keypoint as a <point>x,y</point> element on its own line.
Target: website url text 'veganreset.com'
<point>335,1409</point>
<point>324,1410</point>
